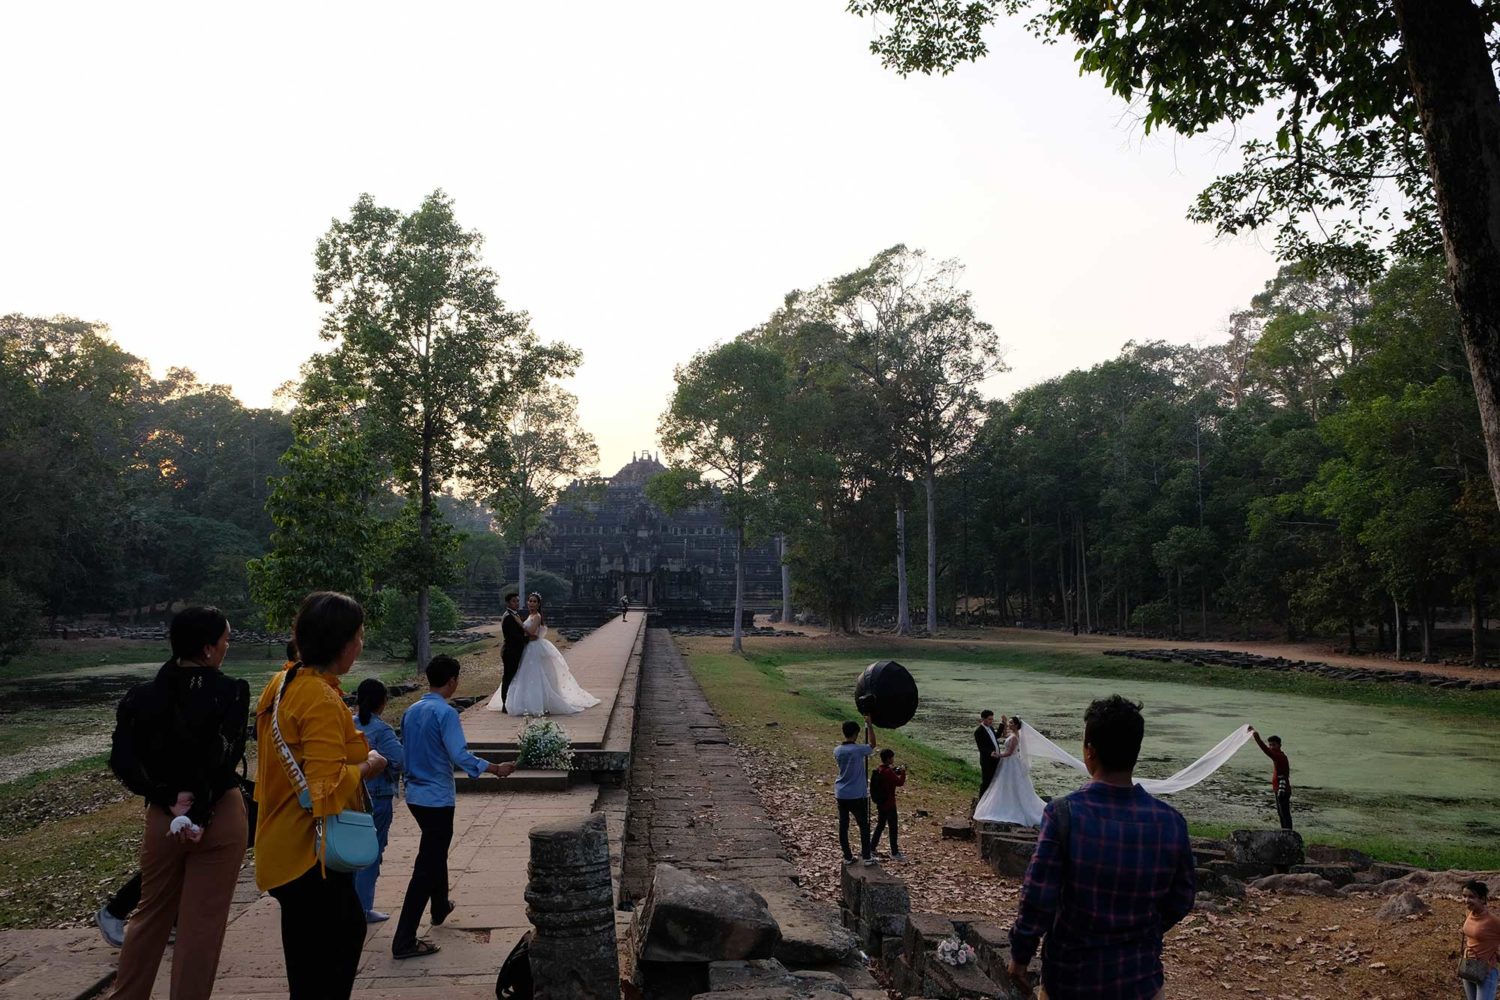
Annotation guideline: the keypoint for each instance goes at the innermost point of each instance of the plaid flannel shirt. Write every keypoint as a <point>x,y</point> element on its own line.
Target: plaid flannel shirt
<point>1128,879</point>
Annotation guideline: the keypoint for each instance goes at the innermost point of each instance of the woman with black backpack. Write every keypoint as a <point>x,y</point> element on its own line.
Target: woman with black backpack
<point>178,740</point>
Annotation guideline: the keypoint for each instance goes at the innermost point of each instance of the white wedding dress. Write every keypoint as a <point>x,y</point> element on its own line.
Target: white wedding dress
<point>1011,798</point>
<point>543,684</point>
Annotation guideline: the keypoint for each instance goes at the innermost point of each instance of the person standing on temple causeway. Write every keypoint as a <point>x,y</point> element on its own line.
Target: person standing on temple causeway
<point>988,746</point>
<point>512,645</point>
<point>1281,777</point>
<point>1111,874</point>
<point>312,763</point>
<point>433,738</point>
<point>883,784</point>
<point>851,789</point>
<point>624,608</point>
<point>177,742</point>
<point>371,696</point>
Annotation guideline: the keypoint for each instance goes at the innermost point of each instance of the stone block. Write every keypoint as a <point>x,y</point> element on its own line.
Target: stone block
<point>671,980</point>
<point>957,828</point>
<point>1399,907</point>
<point>688,918</point>
<point>1340,874</point>
<point>957,982</point>
<point>921,934</point>
<point>1203,855</point>
<point>880,894</point>
<point>1297,885</point>
<point>810,935</point>
<point>991,944</point>
<point>570,902</point>
<point>1237,870</point>
<point>1277,848</point>
<point>1009,855</point>
<point>1218,884</point>
<point>1388,870</point>
<point>1325,854</point>
<point>726,977</point>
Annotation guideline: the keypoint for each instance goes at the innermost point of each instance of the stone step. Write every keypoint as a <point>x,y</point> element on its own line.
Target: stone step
<point>518,781</point>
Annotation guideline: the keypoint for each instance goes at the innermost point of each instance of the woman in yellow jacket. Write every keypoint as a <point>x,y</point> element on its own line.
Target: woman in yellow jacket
<point>322,921</point>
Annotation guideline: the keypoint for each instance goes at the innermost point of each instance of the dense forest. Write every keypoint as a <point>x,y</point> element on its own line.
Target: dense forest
<point>391,472</point>
<point>1320,472</point>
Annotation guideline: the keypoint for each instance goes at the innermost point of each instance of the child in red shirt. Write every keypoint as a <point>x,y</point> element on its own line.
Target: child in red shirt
<point>883,785</point>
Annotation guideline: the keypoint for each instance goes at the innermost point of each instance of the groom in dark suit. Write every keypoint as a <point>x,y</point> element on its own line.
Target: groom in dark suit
<point>514,643</point>
<point>988,746</point>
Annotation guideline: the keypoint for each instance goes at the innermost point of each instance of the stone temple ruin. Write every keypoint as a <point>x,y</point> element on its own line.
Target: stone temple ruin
<point>608,539</point>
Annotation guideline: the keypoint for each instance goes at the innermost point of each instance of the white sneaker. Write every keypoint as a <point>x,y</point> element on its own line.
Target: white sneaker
<point>111,928</point>
<point>870,862</point>
<point>897,856</point>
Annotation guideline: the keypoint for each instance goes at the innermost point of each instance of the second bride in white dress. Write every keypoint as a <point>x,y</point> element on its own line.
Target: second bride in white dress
<point>543,684</point>
<point>1011,798</point>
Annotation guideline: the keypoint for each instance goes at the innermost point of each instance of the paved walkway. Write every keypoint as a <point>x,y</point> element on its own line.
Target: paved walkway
<point>690,802</point>
<point>692,806</point>
<point>598,662</point>
<point>487,872</point>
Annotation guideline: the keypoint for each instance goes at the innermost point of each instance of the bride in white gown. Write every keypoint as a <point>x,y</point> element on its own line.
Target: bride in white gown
<point>543,684</point>
<point>1011,798</point>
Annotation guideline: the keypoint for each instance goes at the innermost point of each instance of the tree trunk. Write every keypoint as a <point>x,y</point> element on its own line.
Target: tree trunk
<point>1203,608</point>
<point>1353,643</point>
<point>1397,630</point>
<point>1180,628</point>
<point>1083,562</point>
<point>903,600</point>
<point>1476,627</point>
<point>1427,654</point>
<point>738,645</point>
<point>1454,85</point>
<point>786,585</point>
<point>521,571</point>
<point>424,635</point>
<point>931,484</point>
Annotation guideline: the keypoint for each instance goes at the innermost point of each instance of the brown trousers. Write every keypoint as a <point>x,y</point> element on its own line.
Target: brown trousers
<point>192,886</point>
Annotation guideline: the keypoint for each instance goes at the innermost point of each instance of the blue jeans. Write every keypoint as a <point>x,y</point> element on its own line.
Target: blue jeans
<point>1484,990</point>
<point>364,879</point>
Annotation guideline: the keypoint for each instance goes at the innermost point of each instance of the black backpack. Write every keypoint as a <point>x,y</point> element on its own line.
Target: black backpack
<point>878,789</point>
<point>514,981</point>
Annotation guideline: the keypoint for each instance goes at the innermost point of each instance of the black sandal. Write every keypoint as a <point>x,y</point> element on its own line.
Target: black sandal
<point>417,950</point>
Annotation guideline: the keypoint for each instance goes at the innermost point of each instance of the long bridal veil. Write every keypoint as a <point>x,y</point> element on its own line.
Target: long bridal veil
<point>1000,803</point>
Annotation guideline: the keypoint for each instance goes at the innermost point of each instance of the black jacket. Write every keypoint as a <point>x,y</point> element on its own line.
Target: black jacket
<point>181,731</point>
<point>987,743</point>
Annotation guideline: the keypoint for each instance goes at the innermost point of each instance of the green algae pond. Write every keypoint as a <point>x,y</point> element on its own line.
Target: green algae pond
<point>1403,782</point>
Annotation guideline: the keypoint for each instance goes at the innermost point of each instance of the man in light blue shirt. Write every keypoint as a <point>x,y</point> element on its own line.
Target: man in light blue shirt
<point>434,741</point>
<point>851,789</point>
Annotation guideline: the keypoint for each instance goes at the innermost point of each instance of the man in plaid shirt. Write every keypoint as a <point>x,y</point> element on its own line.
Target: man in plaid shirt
<point>1109,878</point>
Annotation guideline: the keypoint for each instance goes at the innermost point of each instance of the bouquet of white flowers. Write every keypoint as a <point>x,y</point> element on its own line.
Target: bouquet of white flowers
<point>544,746</point>
<point>955,952</point>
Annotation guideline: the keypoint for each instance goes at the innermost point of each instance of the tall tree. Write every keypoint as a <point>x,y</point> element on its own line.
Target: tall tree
<point>720,427</point>
<point>327,535</point>
<point>539,450</point>
<point>423,347</point>
<point>1368,95</point>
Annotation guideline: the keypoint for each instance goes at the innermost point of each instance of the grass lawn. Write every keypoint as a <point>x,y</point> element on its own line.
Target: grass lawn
<point>751,691</point>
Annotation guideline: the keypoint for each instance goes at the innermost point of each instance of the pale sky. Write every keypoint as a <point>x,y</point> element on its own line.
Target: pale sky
<point>651,178</point>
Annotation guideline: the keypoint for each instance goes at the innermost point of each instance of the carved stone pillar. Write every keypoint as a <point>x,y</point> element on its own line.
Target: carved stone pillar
<point>570,902</point>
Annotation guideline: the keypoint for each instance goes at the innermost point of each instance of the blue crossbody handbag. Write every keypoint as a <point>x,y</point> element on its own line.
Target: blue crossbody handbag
<point>346,842</point>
